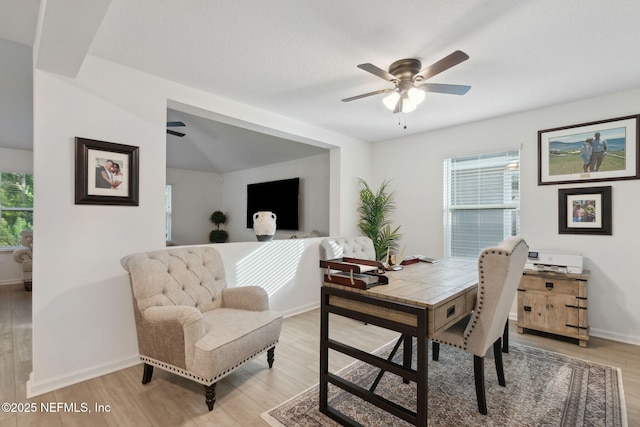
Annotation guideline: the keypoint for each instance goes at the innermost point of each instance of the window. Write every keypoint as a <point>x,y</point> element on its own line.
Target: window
<point>167,210</point>
<point>16,207</point>
<point>482,202</point>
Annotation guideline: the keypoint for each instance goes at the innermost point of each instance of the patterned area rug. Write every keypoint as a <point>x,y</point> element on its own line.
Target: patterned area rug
<point>543,389</point>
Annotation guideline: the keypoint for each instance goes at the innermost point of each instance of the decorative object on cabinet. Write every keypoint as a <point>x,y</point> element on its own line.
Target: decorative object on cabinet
<point>605,150</point>
<point>584,210</point>
<point>106,173</point>
<point>217,235</point>
<point>264,224</point>
<point>555,303</point>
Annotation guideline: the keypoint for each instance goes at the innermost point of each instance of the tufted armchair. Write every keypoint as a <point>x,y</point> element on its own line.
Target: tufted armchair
<point>352,247</point>
<point>24,255</point>
<point>188,321</point>
<point>499,272</point>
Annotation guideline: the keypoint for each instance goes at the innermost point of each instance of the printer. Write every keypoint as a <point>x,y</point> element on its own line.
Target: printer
<point>558,262</point>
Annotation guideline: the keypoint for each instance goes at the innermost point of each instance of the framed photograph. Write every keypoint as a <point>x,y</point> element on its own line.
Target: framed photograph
<point>106,173</point>
<point>606,150</point>
<point>584,210</point>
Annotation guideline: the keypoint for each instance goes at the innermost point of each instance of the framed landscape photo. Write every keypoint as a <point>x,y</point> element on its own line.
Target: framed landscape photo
<point>605,150</point>
<point>106,173</point>
<point>584,210</point>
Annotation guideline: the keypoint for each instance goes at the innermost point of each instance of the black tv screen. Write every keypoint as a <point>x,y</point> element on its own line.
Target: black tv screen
<point>280,197</point>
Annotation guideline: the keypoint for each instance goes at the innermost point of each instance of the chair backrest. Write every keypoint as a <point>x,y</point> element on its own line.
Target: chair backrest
<point>360,247</point>
<point>191,276</point>
<point>499,272</point>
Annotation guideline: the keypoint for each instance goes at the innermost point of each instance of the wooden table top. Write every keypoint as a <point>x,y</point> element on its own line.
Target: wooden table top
<point>424,284</point>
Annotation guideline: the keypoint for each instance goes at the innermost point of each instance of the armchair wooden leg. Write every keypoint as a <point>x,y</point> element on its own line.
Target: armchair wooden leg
<point>435,350</point>
<point>270,356</point>
<point>210,395</point>
<point>147,373</point>
<point>478,370</point>
<point>497,354</point>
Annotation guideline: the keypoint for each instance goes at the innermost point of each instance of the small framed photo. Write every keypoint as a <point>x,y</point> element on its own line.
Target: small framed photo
<point>605,150</point>
<point>584,210</point>
<point>106,173</point>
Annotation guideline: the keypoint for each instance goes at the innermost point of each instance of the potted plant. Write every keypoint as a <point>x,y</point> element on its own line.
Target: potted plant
<point>374,221</point>
<point>217,235</point>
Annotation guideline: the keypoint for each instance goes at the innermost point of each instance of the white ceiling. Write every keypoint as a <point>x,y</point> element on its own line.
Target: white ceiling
<point>298,58</point>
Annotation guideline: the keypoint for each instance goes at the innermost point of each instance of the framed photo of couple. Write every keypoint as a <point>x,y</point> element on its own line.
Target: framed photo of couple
<point>106,173</point>
<point>605,150</point>
<point>584,210</point>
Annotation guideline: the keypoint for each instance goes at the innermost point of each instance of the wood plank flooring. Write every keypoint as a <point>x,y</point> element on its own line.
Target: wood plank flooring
<point>169,400</point>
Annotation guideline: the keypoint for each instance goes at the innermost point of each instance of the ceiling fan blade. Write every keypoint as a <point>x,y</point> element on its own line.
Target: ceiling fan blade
<point>442,88</point>
<point>444,64</point>
<point>378,72</point>
<point>174,124</point>
<point>364,95</point>
<point>173,132</point>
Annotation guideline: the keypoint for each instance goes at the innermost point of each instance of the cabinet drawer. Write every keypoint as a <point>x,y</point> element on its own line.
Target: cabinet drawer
<point>552,285</point>
<point>449,313</point>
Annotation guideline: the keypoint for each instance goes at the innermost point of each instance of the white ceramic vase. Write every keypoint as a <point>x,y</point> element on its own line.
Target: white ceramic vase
<point>264,225</point>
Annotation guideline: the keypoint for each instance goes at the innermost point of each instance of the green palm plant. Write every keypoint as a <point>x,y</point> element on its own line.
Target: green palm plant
<point>374,222</point>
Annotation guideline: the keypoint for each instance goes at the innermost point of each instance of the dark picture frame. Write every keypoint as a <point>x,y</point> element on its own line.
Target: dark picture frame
<point>584,210</point>
<point>106,173</point>
<point>566,156</point>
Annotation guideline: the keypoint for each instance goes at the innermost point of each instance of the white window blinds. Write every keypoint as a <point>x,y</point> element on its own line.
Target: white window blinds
<point>482,200</point>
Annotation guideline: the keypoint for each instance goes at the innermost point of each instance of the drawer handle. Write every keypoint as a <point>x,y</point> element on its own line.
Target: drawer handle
<point>549,285</point>
<point>527,308</point>
<point>451,311</point>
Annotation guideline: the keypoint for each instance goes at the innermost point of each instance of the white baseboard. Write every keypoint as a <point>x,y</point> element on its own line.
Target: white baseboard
<point>608,335</point>
<point>10,281</point>
<point>51,384</point>
<point>301,309</point>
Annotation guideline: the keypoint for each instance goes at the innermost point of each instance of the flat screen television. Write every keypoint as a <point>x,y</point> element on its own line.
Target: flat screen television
<point>280,197</point>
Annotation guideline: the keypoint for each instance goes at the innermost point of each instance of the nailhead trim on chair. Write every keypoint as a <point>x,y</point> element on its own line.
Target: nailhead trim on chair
<point>481,285</point>
<point>197,378</point>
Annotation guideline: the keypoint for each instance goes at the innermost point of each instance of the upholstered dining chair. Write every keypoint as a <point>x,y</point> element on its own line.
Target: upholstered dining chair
<point>499,272</point>
<point>360,247</point>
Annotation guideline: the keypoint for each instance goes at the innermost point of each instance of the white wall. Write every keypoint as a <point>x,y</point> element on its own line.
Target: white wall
<point>195,196</point>
<point>82,318</point>
<point>17,161</point>
<point>415,166</point>
<point>314,196</point>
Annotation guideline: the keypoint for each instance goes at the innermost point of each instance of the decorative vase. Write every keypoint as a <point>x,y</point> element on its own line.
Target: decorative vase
<point>264,224</point>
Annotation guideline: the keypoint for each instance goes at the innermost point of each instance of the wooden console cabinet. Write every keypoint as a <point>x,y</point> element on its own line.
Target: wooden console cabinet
<point>555,303</point>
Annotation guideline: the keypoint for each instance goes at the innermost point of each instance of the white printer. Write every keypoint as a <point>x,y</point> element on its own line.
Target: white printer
<point>559,262</point>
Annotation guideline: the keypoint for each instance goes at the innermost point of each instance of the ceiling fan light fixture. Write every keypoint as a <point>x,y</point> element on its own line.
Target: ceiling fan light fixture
<point>416,95</point>
<point>408,105</point>
<point>391,100</point>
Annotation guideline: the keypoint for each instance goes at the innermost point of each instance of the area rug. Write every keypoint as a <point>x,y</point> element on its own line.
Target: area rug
<point>543,389</point>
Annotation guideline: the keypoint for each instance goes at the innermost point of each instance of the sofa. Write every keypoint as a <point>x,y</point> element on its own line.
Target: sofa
<point>24,255</point>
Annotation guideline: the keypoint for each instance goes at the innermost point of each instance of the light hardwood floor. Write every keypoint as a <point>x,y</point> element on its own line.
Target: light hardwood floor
<point>169,400</point>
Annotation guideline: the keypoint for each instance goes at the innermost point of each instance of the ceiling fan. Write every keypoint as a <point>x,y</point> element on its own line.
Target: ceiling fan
<point>173,132</point>
<point>409,90</point>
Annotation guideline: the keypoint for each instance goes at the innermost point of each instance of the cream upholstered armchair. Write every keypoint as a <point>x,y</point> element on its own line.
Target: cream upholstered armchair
<point>188,321</point>
<point>499,272</point>
<point>352,247</point>
<point>24,255</point>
